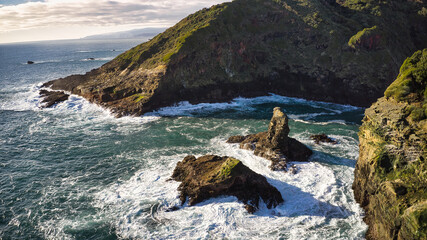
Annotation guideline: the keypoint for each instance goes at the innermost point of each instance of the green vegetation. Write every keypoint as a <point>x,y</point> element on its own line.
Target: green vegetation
<point>138,97</point>
<point>373,6</point>
<point>364,38</point>
<point>313,19</point>
<point>423,12</point>
<point>418,221</point>
<point>411,79</point>
<point>227,168</point>
<point>162,47</point>
<point>411,85</point>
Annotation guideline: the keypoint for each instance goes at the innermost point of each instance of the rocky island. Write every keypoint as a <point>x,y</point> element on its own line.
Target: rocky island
<point>337,51</point>
<point>275,144</point>
<point>391,173</point>
<point>213,176</point>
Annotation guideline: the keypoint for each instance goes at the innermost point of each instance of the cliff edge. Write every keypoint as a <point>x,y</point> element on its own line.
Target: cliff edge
<point>345,51</point>
<point>391,174</point>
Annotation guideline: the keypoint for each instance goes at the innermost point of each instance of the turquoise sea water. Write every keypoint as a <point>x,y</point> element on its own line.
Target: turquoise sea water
<point>76,172</point>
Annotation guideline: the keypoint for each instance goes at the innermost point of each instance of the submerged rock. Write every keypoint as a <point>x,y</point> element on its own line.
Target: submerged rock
<point>275,144</point>
<point>318,138</point>
<point>213,176</point>
<point>52,97</point>
<point>390,178</point>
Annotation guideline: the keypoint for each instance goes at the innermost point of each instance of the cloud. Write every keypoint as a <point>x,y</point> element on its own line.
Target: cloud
<point>96,13</point>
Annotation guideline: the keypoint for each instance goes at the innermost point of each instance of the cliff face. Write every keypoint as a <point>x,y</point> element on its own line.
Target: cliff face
<point>345,51</point>
<point>391,174</point>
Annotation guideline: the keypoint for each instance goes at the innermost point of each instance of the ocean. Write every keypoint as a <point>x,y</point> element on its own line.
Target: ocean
<point>75,171</point>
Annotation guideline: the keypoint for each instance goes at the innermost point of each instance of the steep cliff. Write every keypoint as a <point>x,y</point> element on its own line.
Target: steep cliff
<point>391,174</point>
<point>344,51</point>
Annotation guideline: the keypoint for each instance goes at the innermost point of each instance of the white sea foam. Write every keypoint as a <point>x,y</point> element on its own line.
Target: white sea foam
<point>187,109</point>
<point>317,204</point>
<point>70,114</point>
<point>318,199</point>
<point>97,59</point>
<point>248,104</point>
<point>296,119</point>
<point>24,98</point>
<point>44,61</point>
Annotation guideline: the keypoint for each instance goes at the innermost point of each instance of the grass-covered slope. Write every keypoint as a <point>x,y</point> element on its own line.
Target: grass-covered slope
<point>339,51</point>
<point>391,173</point>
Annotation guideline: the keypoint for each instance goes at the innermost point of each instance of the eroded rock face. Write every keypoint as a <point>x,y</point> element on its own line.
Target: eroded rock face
<point>275,144</point>
<point>51,98</point>
<point>212,176</point>
<point>391,173</point>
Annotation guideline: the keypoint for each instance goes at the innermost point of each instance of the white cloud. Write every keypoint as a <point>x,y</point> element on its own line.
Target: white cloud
<point>96,13</point>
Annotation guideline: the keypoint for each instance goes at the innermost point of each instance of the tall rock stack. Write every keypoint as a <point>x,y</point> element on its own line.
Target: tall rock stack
<point>275,144</point>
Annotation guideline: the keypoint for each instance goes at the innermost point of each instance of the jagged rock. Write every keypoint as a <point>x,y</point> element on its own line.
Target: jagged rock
<point>52,97</point>
<point>318,138</point>
<point>212,176</point>
<point>390,181</point>
<point>275,145</point>
<point>319,50</point>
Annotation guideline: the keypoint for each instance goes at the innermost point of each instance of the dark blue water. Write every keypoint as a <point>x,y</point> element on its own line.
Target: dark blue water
<point>76,172</point>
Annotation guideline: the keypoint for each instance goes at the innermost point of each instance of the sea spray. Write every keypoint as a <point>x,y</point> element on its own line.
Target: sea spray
<point>76,172</point>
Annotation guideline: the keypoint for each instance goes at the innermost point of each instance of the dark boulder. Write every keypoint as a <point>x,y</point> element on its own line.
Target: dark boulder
<point>213,176</point>
<point>52,97</point>
<point>275,144</point>
<point>318,138</point>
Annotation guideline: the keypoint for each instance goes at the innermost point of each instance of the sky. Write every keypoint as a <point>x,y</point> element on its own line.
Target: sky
<point>36,20</point>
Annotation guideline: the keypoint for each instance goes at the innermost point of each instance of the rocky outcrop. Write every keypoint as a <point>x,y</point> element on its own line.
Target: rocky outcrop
<point>275,144</point>
<point>337,51</point>
<point>391,174</point>
<point>212,176</point>
<point>51,98</point>
<point>318,138</point>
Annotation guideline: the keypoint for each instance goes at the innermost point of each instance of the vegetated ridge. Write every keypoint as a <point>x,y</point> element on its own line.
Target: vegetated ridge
<point>338,51</point>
